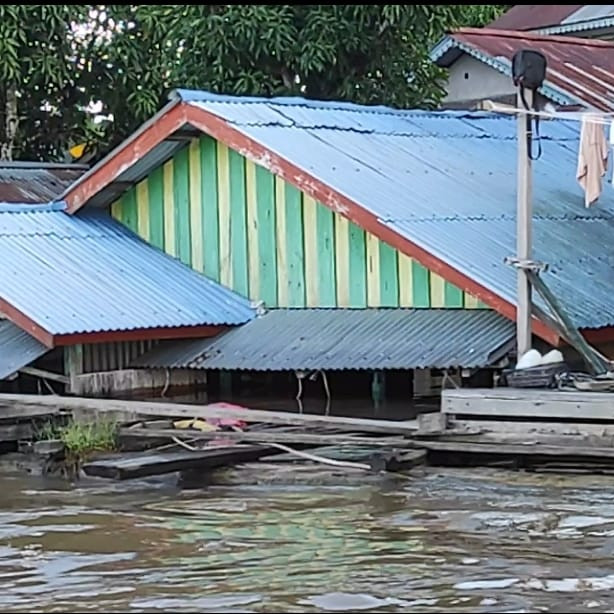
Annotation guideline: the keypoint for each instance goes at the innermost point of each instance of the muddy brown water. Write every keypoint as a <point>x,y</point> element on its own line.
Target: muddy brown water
<point>446,540</point>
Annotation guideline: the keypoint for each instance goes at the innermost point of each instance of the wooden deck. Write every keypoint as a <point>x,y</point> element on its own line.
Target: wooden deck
<point>553,405</point>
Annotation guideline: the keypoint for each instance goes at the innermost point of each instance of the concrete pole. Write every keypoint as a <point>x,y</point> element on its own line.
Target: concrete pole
<point>524,222</point>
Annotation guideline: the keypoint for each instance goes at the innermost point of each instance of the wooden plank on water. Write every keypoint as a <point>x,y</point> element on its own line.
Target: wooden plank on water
<point>130,466</point>
<point>217,410</point>
<point>266,437</point>
<point>530,404</point>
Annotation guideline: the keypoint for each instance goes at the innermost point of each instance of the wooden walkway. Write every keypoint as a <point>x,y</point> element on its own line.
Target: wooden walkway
<point>553,405</point>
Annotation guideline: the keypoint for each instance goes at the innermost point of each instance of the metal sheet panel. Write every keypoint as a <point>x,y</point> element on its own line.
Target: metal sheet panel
<point>17,349</point>
<point>533,16</point>
<point>589,12</point>
<point>447,182</point>
<point>343,339</point>
<point>88,273</point>
<point>34,183</point>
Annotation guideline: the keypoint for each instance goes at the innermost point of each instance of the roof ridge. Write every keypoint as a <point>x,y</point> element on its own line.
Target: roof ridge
<point>550,38</point>
<point>29,208</point>
<point>194,97</point>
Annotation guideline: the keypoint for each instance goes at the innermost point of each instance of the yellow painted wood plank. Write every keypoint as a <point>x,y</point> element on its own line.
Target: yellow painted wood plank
<point>116,210</point>
<point>280,242</point>
<point>253,254</point>
<point>342,260</point>
<point>438,297</point>
<point>310,226</point>
<point>471,302</point>
<point>223,182</point>
<point>169,210</point>
<point>142,205</point>
<point>406,286</point>
<point>196,209</point>
<point>373,272</point>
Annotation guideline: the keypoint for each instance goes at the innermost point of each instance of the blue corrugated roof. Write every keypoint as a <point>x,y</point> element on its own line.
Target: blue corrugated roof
<point>88,273</point>
<point>342,339</point>
<point>17,349</point>
<point>447,182</point>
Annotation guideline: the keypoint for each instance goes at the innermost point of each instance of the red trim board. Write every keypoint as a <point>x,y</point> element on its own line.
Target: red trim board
<point>141,334</point>
<point>26,324</point>
<point>124,156</point>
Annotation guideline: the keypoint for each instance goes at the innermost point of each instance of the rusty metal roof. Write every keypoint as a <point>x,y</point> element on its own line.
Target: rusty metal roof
<point>34,182</point>
<point>580,71</point>
<point>556,18</point>
<point>533,16</point>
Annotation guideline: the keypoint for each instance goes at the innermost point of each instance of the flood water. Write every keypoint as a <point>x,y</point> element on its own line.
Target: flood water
<point>446,540</point>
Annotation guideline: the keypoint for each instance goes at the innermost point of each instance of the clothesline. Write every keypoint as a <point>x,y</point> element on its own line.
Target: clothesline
<point>594,146</point>
<point>594,117</point>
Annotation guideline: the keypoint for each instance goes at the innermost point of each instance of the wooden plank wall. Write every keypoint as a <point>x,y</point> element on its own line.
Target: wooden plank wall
<point>248,229</point>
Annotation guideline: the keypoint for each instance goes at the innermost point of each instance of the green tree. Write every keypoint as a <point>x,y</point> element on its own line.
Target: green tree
<point>55,60</point>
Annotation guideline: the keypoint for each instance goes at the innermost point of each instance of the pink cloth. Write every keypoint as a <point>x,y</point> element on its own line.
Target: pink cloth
<point>592,159</point>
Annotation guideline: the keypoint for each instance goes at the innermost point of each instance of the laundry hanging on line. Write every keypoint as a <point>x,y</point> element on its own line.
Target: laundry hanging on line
<point>592,159</point>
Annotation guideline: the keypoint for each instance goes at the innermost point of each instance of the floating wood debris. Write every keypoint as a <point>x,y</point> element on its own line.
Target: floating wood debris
<point>137,465</point>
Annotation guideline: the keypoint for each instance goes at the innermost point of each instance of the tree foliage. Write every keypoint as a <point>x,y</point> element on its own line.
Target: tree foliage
<point>56,60</point>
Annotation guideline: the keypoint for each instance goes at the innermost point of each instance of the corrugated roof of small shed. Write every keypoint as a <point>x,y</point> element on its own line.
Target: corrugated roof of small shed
<point>88,273</point>
<point>34,182</point>
<point>344,339</point>
<point>17,349</point>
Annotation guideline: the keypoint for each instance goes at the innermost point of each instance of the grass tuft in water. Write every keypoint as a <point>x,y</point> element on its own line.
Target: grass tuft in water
<point>82,438</point>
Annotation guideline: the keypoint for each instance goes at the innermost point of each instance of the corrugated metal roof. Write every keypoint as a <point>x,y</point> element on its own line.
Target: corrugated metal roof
<point>88,273</point>
<point>342,339</point>
<point>556,18</point>
<point>533,16</point>
<point>579,70</point>
<point>589,12</point>
<point>17,349</point>
<point>447,182</point>
<point>34,183</point>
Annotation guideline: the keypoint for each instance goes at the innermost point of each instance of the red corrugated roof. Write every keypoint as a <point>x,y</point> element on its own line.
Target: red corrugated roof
<point>580,67</point>
<point>534,16</point>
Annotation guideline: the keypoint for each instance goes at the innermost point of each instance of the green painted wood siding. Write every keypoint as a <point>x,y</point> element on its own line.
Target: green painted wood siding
<point>242,226</point>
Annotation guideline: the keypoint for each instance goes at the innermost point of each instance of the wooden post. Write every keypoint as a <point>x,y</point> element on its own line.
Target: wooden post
<point>524,220</point>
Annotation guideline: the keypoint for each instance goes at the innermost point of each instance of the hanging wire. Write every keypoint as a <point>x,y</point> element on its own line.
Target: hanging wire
<point>598,117</point>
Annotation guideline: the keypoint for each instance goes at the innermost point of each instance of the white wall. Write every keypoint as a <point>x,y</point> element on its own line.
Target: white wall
<point>469,80</point>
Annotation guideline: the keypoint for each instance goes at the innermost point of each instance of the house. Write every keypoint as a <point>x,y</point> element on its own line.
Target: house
<point>479,67</point>
<point>582,20</point>
<point>84,289</point>
<point>312,208</point>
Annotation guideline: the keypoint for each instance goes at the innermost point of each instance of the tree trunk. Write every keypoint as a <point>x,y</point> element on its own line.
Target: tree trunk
<point>11,123</point>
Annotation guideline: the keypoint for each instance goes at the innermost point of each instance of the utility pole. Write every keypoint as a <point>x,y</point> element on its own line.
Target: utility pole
<point>524,223</point>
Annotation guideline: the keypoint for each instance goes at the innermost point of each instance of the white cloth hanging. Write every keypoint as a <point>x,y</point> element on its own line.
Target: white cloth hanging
<point>592,158</point>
